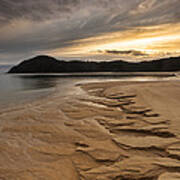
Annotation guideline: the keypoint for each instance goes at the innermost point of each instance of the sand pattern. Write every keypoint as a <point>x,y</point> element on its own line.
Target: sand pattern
<point>142,141</point>
<point>106,133</point>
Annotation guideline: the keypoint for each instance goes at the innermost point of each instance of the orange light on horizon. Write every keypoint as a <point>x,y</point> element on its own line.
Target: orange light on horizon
<point>154,41</point>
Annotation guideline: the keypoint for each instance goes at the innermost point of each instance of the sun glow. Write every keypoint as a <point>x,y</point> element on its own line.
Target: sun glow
<point>150,42</point>
<point>140,44</point>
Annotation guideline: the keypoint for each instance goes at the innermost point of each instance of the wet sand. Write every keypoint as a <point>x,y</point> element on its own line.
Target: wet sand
<point>96,131</point>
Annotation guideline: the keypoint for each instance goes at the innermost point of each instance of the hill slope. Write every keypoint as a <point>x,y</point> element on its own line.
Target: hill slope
<point>46,64</point>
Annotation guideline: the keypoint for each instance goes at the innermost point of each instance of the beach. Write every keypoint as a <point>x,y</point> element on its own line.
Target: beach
<point>95,131</point>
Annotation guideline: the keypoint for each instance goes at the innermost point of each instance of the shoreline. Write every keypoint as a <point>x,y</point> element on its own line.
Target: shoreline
<point>108,130</point>
<point>10,105</point>
<point>56,89</point>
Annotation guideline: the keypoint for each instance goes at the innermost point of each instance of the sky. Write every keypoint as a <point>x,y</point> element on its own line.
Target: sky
<point>132,30</point>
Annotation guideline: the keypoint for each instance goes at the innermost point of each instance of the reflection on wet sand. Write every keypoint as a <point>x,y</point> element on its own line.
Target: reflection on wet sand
<point>21,88</point>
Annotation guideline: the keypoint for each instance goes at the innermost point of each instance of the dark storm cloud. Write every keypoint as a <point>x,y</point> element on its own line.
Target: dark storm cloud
<point>39,10</point>
<point>36,10</point>
<point>30,27</point>
<point>128,52</point>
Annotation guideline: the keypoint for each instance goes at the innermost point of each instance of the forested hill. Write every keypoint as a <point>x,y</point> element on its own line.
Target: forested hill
<point>47,64</point>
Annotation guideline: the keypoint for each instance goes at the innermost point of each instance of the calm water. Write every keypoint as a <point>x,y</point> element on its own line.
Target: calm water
<point>22,88</point>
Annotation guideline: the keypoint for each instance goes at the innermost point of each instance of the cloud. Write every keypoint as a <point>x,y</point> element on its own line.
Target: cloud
<point>35,10</point>
<point>30,27</point>
<point>39,10</point>
<point>143,7</point>
<point>128,52</point>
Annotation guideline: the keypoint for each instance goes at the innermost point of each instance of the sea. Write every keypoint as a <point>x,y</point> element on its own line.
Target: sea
<point>21,88</point>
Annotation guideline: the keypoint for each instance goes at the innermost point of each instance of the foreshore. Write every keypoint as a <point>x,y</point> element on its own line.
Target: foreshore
<point>98,131</point>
